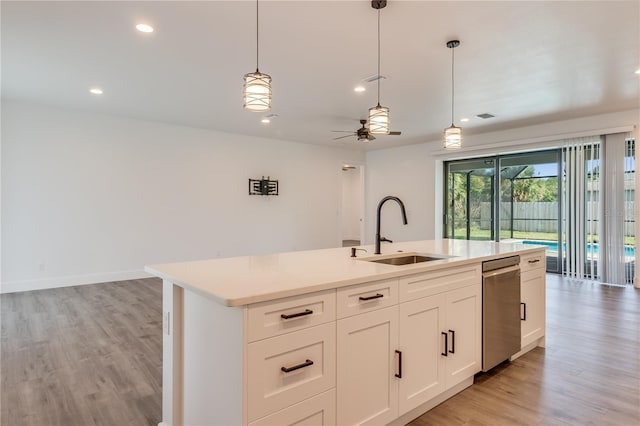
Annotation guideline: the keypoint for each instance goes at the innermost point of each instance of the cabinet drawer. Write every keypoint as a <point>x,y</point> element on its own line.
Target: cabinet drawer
<point>281,316</point>
<point>319,410</point>
<point>357,299</point>
<point>430,283</point>
<point>310,357</point>
<point>533,261</point>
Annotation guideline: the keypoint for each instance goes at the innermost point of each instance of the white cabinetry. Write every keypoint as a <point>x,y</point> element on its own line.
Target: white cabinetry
<point>367,386</point>
<point>532,294</point>
<point>464,327</point>
<point>392,360</point>
<point>287,369</point>
<point>421,343</point>
<point>291,360</point>
<point>374,353</point>
<point>319,410</point>
<point>440,342</point>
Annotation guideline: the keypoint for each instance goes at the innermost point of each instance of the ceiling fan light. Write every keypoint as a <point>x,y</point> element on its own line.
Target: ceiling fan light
<point>379,120</point>
<point>257,92</point>
<point>452,137</point>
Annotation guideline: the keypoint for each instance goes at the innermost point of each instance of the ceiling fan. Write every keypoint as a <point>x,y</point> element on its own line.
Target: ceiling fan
<point>362,133</point>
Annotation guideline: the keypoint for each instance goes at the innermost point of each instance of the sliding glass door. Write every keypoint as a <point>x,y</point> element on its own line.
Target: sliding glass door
<point>529,201</point>
<point>470,189</point>
<point>505,198</point>
<point>578,200</point>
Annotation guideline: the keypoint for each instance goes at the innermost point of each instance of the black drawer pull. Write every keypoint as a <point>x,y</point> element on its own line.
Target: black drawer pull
<point>297,314</point>
<point>524,305</point>
<point>453,342</point>
<point>399,373</point>
<point>534,261</point>
<point>446,344</point>
<point>297,367</point>
<point>375,296</point>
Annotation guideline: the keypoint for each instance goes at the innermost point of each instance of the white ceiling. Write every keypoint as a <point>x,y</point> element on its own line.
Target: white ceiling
<point>524,62</point>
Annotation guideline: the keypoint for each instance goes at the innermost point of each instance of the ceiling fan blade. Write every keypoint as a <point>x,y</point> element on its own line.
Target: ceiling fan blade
<point>342,137</point>
<point>343,131</point>
<point>370,137</point>
<point>395,133</point>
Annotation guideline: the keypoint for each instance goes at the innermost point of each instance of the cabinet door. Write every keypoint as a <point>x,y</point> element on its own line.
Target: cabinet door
<point>532,309</point>
<point>464,329</point>
<point>421,343</point>
<point>367,364</point>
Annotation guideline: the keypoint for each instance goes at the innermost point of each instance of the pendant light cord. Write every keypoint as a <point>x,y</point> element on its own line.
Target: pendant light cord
<point>452,82</point>
<point>257,37</point>
<point>379,77</point>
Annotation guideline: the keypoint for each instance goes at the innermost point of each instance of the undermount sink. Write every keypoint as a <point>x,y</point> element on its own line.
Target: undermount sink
<point>406,259</point>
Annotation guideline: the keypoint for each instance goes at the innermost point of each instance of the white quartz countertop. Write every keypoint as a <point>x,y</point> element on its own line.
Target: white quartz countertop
<point>244,280</point>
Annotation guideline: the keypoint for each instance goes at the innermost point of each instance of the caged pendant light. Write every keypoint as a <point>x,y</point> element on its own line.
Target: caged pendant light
<point>379,115</point>
<point>257,86</point>
<point>452,134</point>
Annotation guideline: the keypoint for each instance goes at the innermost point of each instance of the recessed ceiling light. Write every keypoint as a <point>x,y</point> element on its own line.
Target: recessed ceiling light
<point>265,120</point>
<point>96,91</point>
<point>638,71</point>
<point>464,120</point>
<point>359,89</point>
<point>144,28</point>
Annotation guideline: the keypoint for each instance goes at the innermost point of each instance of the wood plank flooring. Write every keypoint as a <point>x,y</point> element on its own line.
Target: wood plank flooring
<point>85,355</point>
<point>589,373</point>
<point>91,355</point>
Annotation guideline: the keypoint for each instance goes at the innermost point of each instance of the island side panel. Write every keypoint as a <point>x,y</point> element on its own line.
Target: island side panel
<point>172,309</point>
<point>213,362</point>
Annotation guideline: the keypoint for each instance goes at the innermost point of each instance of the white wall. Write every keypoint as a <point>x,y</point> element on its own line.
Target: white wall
<point>90,198</point>
<point>351,203</point>
<point>404,172</point>
<point>414,173</point>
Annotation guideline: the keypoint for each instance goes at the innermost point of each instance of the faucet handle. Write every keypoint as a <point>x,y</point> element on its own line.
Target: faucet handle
<point>353,251</point>
<point>385,239</point>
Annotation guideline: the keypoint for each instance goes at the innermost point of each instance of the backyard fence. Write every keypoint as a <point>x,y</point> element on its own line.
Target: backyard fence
<point>542,217</point>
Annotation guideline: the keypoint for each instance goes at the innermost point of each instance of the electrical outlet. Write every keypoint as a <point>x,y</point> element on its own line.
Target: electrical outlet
<point>42,266</point>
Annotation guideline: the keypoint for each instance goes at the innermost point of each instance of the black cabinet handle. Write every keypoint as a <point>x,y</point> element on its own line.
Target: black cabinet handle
<point>297,314</point>
<point>375,296</point>
<point>453,342</point>
<point>534,261</point>
<point>446,344</point>
<point>297,367</point>
<point>524,305</point>
<point>399,373</point>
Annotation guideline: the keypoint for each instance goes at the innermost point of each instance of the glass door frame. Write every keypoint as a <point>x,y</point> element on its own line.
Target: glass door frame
<point>496,196</point>
<point>473,163</point>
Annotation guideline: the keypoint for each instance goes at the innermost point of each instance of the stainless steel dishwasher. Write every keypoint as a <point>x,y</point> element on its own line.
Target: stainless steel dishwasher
<point>500,310</point>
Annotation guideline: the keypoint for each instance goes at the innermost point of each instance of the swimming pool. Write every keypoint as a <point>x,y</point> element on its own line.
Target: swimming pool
<point>591,248</point>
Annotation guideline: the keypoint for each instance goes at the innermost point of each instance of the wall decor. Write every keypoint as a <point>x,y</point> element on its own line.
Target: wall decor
<point>263,186</point>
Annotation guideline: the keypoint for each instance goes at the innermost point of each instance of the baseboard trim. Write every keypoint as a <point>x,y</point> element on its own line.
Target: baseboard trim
<point>71,280</point>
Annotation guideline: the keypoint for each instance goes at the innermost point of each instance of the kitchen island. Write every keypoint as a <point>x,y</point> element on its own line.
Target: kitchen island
<point>319,337</point>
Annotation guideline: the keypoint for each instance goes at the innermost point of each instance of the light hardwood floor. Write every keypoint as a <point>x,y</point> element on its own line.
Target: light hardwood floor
<point>91,355</point>
<point>85,355</point>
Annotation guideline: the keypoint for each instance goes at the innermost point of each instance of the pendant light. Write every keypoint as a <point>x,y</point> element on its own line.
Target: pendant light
<point>379,115</point>
<point>257,86</point>
<point>452,134</point>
